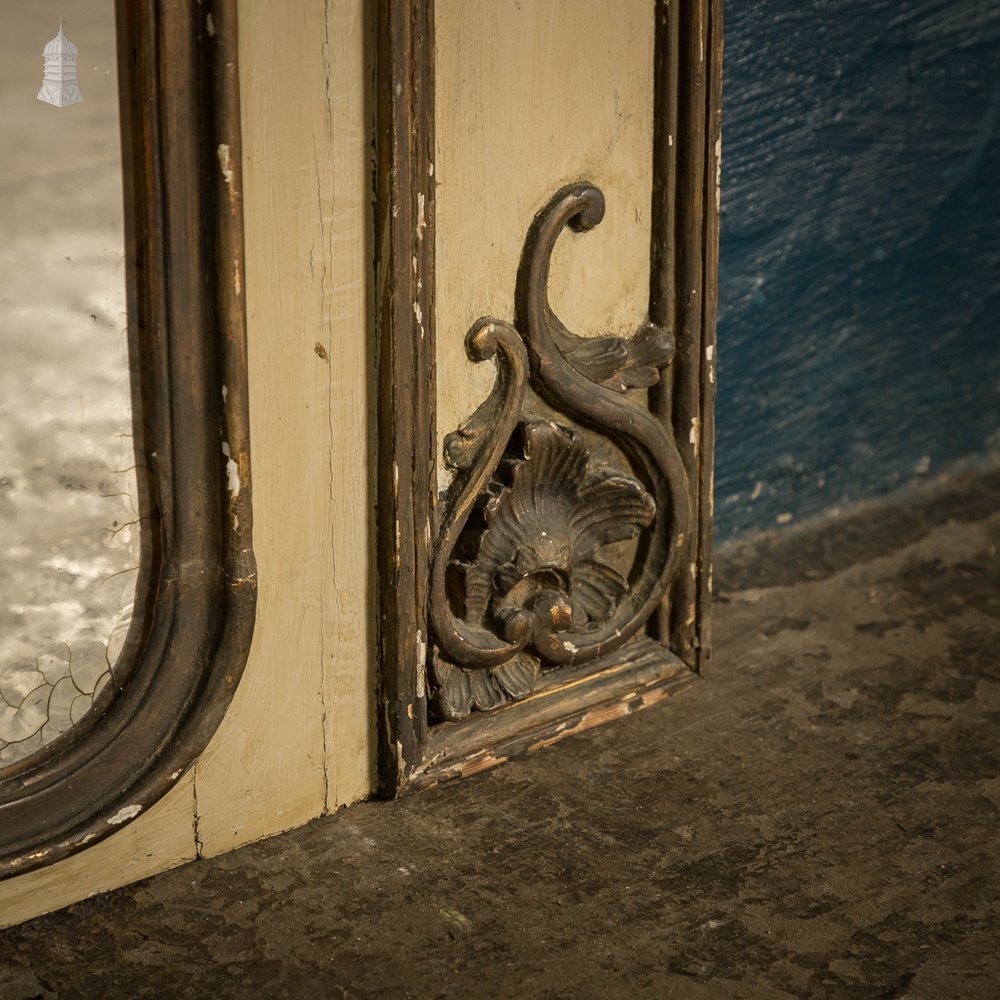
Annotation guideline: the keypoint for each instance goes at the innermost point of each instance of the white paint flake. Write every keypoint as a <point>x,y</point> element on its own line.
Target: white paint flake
<point>421,664</point>
<point>421,220</point>
<point>695,427</point>
<point>124,815</point>
<point>225,163</point>
<point>232,472</point>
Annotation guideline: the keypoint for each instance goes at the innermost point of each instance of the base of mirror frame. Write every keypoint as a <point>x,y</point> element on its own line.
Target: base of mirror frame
<point>576,699</point>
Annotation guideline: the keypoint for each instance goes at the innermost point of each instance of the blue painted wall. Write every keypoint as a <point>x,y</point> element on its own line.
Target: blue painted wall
<point>859,321</point>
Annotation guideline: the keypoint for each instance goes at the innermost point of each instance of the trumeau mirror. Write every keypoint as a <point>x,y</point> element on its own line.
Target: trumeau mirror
<point>127,578</point>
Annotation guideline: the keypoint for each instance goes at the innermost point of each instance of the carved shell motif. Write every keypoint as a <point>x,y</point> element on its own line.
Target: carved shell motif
<point>538,559</point>
<point>522,575</point>
<point>538,552</point>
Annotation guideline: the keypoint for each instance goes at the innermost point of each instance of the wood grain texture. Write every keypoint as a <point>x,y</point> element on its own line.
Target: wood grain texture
<point>532,96</point>
<point>349,654</point>
<point>265,769</point>
<point>298,736</point>
<point>405,337</point>
<point>569,701</point>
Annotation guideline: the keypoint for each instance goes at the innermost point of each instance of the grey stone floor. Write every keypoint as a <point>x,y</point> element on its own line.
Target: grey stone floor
<point>818,818</point>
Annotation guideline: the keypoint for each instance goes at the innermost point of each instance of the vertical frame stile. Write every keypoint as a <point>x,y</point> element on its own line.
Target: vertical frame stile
<point>663,234</point>
<point>691,304</point>
<point>404,228</point>
<point>713,178</point>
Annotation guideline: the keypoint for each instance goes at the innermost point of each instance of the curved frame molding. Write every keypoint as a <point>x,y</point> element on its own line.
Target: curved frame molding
<point>187,342</point>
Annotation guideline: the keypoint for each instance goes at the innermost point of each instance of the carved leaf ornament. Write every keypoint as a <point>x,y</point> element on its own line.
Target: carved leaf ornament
<point>524,578</point>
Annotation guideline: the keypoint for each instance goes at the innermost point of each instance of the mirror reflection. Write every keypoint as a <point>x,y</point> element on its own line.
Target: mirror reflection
<point>68,517</point>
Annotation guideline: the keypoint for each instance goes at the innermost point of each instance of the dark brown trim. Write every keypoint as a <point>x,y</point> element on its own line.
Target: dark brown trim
<point>663,232</point>
<point>577,699</point>
<point>184,265</point>
<point>683,259</point>
<point>404,324</point>
<point>688,282</point>
<point>713,180</point>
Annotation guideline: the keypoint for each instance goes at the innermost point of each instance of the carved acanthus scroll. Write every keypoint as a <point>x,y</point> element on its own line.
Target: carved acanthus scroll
<point>547,556</point>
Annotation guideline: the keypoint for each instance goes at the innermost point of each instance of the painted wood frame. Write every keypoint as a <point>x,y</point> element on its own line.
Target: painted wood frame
<point>425,737</point>
<point>191,630</point>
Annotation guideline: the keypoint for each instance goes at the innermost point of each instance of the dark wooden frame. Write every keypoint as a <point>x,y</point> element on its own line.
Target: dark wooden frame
<point>194,611</point>
<point>683,293</point>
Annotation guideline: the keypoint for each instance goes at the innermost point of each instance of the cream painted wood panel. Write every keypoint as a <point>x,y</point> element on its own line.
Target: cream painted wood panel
<point>348,307</point>
<point>299,735</point>
<point>270,747</point>
<point>532,95</point>
<point>162,839</point>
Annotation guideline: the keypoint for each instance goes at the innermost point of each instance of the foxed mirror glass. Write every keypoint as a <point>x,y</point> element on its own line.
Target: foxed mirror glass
<point>69,517</point>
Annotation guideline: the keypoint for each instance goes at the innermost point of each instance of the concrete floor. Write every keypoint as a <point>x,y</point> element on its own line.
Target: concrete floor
<point>819,818</point>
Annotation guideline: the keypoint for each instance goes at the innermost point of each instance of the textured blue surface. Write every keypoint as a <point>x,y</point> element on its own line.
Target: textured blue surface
<point>859,321</point>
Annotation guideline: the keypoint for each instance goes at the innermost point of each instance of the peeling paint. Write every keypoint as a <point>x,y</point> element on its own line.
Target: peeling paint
<point>718,174</point>
<point>125,814</point>
<point>232,472</point>
<point>421,219</point>
<point>225,163</point>
<point>695,427</point>
<point>210,25</point>
<point>421,665</point>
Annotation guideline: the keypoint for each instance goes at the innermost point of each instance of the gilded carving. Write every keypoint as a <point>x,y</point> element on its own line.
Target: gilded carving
<point>548,554</point>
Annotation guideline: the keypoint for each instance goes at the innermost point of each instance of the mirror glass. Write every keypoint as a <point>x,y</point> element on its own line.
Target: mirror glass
<point>68,507</point>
